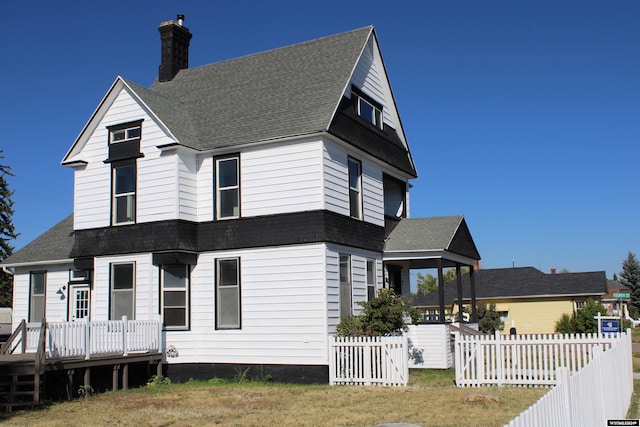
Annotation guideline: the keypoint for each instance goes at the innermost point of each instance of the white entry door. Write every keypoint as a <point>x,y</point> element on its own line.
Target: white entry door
<point>79,302</point>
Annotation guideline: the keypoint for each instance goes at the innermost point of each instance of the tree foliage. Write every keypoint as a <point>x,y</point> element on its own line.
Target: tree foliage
<point>383,315</point>
<point>583,320</point>
<point>488,318</point>
<point>7,233</point>
<point>426,284</point>
<point>630,277</point>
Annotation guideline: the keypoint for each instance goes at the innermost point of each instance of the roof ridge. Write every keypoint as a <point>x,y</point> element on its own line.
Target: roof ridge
<point>156,83</point>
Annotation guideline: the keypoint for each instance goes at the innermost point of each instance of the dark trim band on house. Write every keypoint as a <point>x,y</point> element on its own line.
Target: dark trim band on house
<point>190,237</point>
<point>175,257</point>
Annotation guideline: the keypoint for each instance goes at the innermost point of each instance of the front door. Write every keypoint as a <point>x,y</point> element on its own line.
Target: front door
<point>79,302</point>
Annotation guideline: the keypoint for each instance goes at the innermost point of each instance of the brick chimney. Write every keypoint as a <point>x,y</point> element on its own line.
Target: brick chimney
<point>174,48</point>
<point>553,270</point>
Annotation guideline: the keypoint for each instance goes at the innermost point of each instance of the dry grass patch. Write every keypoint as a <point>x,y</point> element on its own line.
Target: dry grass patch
<point>256,404</point>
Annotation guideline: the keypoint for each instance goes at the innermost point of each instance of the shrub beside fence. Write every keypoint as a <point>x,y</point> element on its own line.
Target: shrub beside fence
<point>368,361</point>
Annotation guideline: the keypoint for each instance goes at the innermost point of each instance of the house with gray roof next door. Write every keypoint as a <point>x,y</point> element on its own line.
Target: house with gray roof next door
<point>250,203</point>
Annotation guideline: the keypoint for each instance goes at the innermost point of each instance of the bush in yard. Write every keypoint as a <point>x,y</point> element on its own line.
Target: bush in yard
<point>581,321</point>
<point>565,325</point>
<point>383,315</point>
<point>489,319</point>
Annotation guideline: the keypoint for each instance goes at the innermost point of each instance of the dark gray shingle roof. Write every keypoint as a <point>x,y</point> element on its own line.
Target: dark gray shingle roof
<point>521,282</point>
<point>54,245</point>
<point>283,92</point>
<point>440,233</point>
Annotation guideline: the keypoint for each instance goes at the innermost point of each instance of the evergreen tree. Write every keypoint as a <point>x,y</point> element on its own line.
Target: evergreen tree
<point>7,233</point>
<point>630,277</point>
<point>489,319</point>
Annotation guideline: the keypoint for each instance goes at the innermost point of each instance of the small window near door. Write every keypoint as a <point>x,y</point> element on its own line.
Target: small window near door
<point>37,285</point>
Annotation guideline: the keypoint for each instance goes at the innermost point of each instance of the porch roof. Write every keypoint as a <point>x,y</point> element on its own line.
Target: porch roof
<point>53,246</point>
<point>426,242</point>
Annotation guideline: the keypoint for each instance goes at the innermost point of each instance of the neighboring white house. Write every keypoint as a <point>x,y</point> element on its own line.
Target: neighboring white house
<point>247,202</point>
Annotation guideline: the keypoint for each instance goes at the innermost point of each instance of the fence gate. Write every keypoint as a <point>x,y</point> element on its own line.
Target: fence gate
<point>368,361</point>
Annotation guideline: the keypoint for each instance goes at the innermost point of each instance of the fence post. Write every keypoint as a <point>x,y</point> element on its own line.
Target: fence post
<point>125,327</point>
<point>457,355</point>
<point>87,338</point>
<point>562,376</point>
<point>499,364</point>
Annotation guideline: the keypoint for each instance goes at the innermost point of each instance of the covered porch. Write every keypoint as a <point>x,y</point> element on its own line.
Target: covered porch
<point>431,243</point>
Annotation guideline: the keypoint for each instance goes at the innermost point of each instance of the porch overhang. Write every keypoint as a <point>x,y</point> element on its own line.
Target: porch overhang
<point>436,242</point>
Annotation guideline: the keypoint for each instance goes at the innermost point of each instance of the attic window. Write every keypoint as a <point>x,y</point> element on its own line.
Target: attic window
<point>368,109</point>
<point>125,134</point>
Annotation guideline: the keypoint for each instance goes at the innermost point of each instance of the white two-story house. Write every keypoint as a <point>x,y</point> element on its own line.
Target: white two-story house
<point>250,203</point>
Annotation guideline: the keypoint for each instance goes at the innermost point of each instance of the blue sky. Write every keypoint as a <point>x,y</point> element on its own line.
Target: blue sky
<point>524,116</point>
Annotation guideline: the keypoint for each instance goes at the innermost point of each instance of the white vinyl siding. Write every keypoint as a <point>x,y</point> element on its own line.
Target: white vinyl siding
<point>57,278</point>
<point>281,178</point>
<point>188,187</point>
<point>205,188</point>
<point>359,260</point>
<point>368,77</point>
<point>283,305</point>
<point>146,297</point>
<point>336,184</point>
<point>157,176</point>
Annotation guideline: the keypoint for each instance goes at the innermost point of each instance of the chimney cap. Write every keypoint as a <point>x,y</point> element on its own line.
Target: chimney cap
<point>180,19</point>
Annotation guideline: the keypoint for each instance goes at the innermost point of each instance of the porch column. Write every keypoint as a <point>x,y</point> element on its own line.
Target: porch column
<point>474,313</point>
<point>459,284</point>
<point>441,291</point>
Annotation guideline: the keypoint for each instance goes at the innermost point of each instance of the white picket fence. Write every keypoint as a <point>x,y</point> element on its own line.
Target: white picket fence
<point>598,392</point>
<point>522,360</point>
<point>95,338</point>
<point>368,361</point>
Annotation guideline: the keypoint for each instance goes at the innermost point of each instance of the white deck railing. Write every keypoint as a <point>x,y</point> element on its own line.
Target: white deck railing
<point>598,392</point>
<point>524,360</point>
<point>368,361</point>
<point>94,338</point>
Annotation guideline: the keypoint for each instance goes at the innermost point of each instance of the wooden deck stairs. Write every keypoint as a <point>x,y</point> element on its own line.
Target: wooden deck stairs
<point>22,373</point>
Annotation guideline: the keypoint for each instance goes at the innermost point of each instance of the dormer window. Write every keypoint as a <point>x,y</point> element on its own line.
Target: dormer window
<point>125,134</point>
<point>368,109</point>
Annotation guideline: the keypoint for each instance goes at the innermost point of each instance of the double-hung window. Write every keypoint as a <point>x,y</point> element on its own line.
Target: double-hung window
<point>371,279</point>
<point>175,296</point>
<point>355,188</point>
<point>124,192</point>
<point>228,293</point>
<point>124,150</point>
<point>227,183</point>
<point>346,306</point>
<point>122,291</point>
<point>38,286</point>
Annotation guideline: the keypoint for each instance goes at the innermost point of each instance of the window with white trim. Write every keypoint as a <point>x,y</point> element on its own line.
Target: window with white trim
<point>228,293</point>
<point>175,296</point>
<point>227,183</point>
<point>122,291</point>
<point>355,188</point>
<point>346,291</point>
<point>124,192</point>
<point>371,279</point>
<point>37,293</point>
